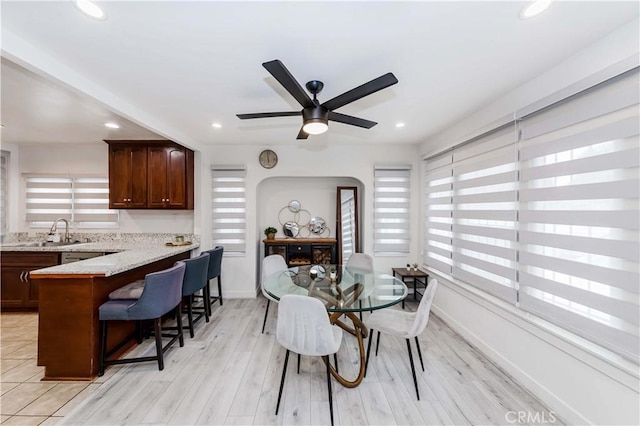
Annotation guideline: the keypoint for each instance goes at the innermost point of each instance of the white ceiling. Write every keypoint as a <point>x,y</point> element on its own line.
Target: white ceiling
<point>176,67</point>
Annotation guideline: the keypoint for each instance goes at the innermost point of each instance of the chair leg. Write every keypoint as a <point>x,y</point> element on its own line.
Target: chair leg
<point>360,307</point>
<point>103,347</point>
<point>206,298</point>
<point>207,314</point>
<point>419,353</point>
<point>265,315</point>
<point>158,332</point>
<point>189,299</point>
<point>298,363</point>
<point>413,369</point>
<point>220,288</point>
<point>377,343</point>
<point>329,388</point>
<point>335,360</point>
<point>366,362</point>
<point>179,324</point>
<point>284,372</point>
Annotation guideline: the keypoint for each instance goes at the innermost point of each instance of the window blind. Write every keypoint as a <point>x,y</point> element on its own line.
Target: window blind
<point>484,213</point>
<point>579,218</point>
<point>83,201</point>
<point>229,208</point>
<point>4,227</point>
<point>391,210</point>
<point>438,213</point>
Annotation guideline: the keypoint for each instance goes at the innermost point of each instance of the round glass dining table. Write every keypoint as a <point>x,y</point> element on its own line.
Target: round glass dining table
<point>344,293</point>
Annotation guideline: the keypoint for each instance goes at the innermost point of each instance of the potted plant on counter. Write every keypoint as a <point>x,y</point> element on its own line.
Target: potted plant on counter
<point>270,232</point>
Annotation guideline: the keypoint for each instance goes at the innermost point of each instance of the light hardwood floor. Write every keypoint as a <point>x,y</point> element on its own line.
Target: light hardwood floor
<point>230,373</point>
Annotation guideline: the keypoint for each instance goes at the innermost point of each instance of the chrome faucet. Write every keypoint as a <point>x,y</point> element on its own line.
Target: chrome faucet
<point>54,228</point>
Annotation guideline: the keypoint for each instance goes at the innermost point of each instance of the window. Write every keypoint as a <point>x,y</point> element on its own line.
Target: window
<point>547,215</point>
<point>470,213</point>
<point>229,227</point>
<point>4,164</point>
<point>579,217</point>
<point>83,201</point>
<point>391,210</point>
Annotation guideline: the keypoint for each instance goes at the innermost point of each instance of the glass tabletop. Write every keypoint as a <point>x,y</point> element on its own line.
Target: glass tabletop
<point>345,290</point>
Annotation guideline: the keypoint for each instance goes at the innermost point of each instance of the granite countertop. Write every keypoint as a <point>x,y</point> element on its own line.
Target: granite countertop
<point>126,256</point>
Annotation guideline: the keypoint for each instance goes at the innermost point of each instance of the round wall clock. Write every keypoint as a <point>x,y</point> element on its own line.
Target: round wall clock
<point>268,159</point>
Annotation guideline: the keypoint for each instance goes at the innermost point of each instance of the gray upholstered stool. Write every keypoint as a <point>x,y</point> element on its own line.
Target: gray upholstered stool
<point>162,293</point>
<point>215,271</point>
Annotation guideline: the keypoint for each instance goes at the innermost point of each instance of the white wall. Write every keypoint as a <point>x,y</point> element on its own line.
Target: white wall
<point>301,168</point>
<point>582,385</point>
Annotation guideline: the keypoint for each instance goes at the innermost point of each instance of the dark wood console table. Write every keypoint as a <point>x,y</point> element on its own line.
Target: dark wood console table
<point>303,251</point>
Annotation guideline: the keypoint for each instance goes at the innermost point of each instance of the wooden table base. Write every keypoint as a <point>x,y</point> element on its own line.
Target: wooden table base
<point>360,331</point>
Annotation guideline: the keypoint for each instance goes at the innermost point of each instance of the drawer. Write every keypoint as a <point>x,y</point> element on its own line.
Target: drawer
<point>299,249</point>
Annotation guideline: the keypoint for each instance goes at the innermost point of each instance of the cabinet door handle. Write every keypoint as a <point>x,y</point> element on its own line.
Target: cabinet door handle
<point>22,276</point>
<point>26,277</point>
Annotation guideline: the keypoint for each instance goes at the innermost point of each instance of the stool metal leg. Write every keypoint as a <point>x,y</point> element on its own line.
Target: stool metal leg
<point>377,343</point>
<point>189,299</point>
<point>220,288</point>
<point>179,324</point>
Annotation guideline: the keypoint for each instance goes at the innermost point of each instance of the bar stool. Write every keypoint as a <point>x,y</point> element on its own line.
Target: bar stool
<point>215,271</point>
<point>161,294</point>
<point>195,279</point>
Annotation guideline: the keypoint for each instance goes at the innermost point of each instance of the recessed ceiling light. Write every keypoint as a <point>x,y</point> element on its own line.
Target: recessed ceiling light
<point>216,125</point>
<point>91,9</point>
<point>112,125</point>
<point>398,125</point>
<point>534,8</point>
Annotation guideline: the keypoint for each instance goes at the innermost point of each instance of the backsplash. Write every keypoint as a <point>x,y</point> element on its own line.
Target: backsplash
<point>85,237</point>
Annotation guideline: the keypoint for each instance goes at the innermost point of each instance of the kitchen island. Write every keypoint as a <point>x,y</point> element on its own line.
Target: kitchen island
<point>70,295</point>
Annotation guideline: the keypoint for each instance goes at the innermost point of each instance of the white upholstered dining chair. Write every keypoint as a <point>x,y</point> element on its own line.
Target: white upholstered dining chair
<point>270,265</point>
<point>402,324</point>
<point>304,328</point>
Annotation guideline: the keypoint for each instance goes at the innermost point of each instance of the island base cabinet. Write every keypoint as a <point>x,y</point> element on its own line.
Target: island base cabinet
<point>18,291</point>
<point>68,323</point>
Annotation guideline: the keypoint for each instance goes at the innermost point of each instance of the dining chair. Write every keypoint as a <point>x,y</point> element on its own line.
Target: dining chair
<point>271,264</point>
<point>403,324</point>
<point>304,328</point>
<point>161,294</point>
<point>359,262</point>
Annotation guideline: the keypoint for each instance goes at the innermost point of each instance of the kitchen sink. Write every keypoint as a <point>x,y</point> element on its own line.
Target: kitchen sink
<point>41,244</point>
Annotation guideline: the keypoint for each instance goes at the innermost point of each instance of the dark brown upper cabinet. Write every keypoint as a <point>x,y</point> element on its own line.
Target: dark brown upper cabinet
<point>150,175</point>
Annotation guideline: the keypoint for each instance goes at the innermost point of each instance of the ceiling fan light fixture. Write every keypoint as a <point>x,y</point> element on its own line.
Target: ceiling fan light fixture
<point>91,9</point>
<point>534,8</point>
<point>315,126</point>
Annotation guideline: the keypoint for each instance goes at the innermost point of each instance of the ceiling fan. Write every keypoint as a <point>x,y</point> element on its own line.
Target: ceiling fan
<point>316,116</point>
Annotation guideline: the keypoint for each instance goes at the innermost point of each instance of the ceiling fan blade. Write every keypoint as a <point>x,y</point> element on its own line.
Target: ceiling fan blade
<point>302,134</point>
<point>349,119</point>
<point>268,114</point>
<point>284,77</point>
<point>366,89</point>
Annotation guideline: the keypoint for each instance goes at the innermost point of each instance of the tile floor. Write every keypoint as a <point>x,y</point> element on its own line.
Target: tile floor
<point>24,399</point>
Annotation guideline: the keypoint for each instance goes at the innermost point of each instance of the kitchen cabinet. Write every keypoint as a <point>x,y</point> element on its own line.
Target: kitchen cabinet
<point>303,251</point>
<point>17,289</point>
<point>150,175</point>
<point>127,176</point>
